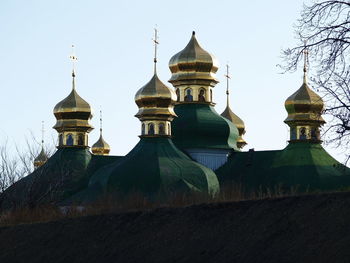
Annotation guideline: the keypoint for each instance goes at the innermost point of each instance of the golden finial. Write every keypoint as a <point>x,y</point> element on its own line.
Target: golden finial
<point>156,43</point>
<point>306,60</point>
<point>74,59</point>
<point>228,77</point>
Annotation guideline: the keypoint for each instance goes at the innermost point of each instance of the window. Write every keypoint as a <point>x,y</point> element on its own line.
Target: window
<point>151,129</point>
<point>188,96</point>
<point>161,129</point>
<point>81,139</point>
<point>201,95</point>
<point>302,133</point>
<point>69,140</point>
<point>60,140</point>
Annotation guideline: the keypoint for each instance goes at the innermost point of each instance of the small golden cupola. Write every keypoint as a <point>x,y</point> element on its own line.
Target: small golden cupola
<point>42,157</point>
<point>304,109</point>
<point>156,104</point>
<point>231,116</point>
<point>101,147</point>
<point>193,73</point>
<point>73,115</point>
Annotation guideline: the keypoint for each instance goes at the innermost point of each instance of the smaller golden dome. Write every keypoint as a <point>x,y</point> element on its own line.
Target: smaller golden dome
<point>41,158</point>
<point>228,114</point>
<point>193,64</point>
<point>155,98</point>
<point>304,105</point>
<point>101,147</point>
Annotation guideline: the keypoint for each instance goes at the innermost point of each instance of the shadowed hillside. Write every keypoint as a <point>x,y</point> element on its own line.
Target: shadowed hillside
<point>312,228</point>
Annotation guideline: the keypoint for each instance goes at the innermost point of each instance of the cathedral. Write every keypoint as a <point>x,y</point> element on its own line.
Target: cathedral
<point>168,159</point>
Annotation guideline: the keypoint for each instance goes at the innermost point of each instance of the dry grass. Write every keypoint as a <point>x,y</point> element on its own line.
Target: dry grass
<point>133,202</point>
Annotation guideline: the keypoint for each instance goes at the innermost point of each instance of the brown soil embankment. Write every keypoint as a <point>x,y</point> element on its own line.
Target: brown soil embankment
<point>313,228</point>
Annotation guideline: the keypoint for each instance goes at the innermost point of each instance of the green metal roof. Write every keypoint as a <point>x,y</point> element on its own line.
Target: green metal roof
<point>200,126</point>
<point>154,166</point>
<point>302,166</point>
<point>67,172</point>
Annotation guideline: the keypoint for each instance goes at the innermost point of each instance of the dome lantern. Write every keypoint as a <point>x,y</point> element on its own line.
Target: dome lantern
<point>156,105</point>
<point>193,73</point>
<point>73,115</point>
<point>304,108</point>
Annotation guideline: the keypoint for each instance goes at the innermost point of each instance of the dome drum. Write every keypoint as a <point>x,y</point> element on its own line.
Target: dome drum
<point>155,128</point>
<point>304,108</point>
<point>195,94</point>
<point>72,139</point>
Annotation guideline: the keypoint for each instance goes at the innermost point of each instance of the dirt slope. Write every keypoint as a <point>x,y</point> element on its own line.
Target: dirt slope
<point>295,229</point>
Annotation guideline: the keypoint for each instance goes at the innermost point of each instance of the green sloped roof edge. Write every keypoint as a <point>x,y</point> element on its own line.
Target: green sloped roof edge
<point>300,166</point>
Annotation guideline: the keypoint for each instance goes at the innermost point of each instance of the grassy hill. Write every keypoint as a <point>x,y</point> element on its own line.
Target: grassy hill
<point>311,228</point>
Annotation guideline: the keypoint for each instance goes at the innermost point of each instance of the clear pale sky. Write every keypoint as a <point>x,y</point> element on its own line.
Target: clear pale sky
<point>114,47</point>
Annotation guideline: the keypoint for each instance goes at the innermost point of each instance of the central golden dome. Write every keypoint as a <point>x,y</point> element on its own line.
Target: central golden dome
<point>155,98</point>
<point>193,64</point>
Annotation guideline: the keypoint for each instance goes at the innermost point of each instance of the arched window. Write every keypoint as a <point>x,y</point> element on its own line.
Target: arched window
<point>178,94</point>
<point>211,95</point>
<point>302,133</point>
<point>143,129</point>
<point>161,129</point>
<point>69,140</point>
<point>293,133</point>
<point>188,96</point>
<point>60,140</point>
<point>201,95</point>
<point>315,134</point>
<point>81,139</point>
<point>151,129</point>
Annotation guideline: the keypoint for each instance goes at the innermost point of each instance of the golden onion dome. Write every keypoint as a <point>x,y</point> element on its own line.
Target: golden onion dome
<point>73,103</point>
<point>304,105</point>
<point>155,98</point>
<point>101,147</point>
<point>231,116</point>
<point>73,111</point>
<point>41,158</point>
<point>193,63</point>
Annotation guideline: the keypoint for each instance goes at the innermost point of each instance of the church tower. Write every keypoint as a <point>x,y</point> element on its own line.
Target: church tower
<point>193,73</point>
<point>155,166</point>
<point>73,115</point>
<point>199,130</point>
<point>304,109</point>
<point>230,115</point>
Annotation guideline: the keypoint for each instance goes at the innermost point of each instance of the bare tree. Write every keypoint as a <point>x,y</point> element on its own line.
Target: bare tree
<point>324,29</point>
<point>18,162</point>
<point>9,168</point>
